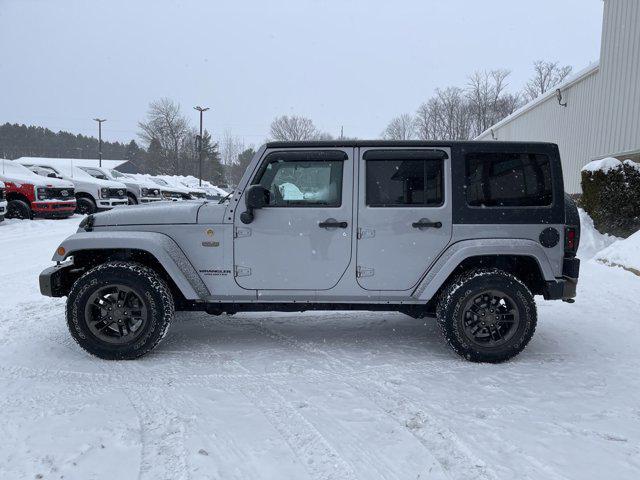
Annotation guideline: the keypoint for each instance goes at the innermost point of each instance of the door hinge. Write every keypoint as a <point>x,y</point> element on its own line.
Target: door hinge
<point>364,272</point>
<point>366,233</point>
<point>242,232</point>
<point>242,271</point>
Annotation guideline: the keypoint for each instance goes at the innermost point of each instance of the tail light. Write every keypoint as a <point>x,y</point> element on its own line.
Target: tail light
<point>570,240</point>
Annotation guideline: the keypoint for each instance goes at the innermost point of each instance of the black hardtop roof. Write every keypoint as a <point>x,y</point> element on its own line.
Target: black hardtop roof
<point>395,143</point>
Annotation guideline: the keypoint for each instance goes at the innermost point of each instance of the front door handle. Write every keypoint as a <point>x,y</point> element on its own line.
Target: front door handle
<point>331,223</point>
<point>424,223</point>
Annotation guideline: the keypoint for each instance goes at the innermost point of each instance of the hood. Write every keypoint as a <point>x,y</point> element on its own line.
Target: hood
<point>54,183</point>
<point>105,183</point>
<point>160,213</point>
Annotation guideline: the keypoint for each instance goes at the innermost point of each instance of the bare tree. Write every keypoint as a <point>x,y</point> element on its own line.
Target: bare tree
<point>293,128</point>
<point>230,147</point>
<point>169,129</point>
<point>445,116</point>
<point>488,100</point>
<point>400,128</point>
<point>427,120</point>
<point>546,75</point>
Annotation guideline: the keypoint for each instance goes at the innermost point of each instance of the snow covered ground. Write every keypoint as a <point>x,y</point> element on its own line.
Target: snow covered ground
<point>316,396</point>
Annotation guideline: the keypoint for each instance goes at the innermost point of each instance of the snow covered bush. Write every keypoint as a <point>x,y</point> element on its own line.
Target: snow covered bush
<point>611,195</point>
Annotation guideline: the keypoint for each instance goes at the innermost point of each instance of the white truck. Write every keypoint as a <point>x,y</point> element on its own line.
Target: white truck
<point>138,191</point>
<point>92,194</point>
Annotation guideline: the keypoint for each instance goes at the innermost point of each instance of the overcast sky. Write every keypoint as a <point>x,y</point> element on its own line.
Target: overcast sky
<point>340,62</point>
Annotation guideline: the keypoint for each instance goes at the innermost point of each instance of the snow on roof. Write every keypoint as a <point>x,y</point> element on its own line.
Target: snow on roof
<point>568,82</point>
<point>603,165</point>
<point>78,162</point>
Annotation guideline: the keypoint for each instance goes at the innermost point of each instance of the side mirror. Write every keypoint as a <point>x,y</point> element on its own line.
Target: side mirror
<point>256,197</point>
<point>52,175</point>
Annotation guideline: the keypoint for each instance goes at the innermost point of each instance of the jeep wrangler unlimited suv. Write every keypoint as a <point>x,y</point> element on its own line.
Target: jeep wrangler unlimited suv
<point>467,232</point>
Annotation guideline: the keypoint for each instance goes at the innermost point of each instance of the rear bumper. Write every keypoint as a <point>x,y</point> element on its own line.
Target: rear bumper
<point>3,209</point>
<point>55,281</point>
<point>53,209</point>
<point>564,288</point>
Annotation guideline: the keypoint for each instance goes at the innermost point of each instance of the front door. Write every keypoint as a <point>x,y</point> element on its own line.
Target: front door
<point>404,215</point>
<point>302,239</point>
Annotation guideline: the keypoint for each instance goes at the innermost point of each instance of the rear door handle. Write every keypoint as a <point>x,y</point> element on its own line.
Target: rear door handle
<point>424,223</point>
<point>331,223</point>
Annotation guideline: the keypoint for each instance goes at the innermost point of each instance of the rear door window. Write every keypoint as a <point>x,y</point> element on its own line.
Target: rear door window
<point>508,180</point>
<point>403,178</point>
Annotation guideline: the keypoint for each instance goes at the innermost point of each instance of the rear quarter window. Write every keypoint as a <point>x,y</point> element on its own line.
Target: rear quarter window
<point>508,180</point>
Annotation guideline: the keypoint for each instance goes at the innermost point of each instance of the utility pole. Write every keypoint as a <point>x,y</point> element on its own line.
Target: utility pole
<point>100,120</point>
<point>199,143</point>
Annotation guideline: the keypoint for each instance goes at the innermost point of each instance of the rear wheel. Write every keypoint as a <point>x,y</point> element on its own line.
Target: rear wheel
<point>85,206</point>
<point>19,209</point>
<point>487,315</point>
<point>119,310</point>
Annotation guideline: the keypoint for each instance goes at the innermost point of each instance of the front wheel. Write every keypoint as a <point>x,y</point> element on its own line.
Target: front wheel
<point>85,206</point>
<point>487,315</point>
<point>119,310</point>
<point>19,209</point>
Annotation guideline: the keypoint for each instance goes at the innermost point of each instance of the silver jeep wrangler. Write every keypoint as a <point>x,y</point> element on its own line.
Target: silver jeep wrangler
<point>466,232</point>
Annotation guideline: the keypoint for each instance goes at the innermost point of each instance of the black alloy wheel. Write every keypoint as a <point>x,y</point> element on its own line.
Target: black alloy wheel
<point>116,314</point>
<point>490,319</point>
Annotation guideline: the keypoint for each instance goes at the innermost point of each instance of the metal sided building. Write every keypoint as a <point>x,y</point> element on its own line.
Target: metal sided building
<point>602,113</point>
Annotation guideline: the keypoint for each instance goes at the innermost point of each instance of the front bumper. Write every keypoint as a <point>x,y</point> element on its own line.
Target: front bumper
<point>150,199</point>
<point>54,208</point>
<point>56,281</point>
<point>564,288</point>
<point>109,203</point>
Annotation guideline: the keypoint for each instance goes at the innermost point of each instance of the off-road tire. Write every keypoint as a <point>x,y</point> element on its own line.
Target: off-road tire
<point>454,297</point>
<point>19,209</point>
<point>85,206</point>
<point>146,283</point>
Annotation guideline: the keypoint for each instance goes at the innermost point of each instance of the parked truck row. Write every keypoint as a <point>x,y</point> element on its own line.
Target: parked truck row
<point>56,188</point>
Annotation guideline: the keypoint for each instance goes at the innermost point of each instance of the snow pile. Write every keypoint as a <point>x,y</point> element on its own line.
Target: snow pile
<point>632,164</point>
<point>623,253</point>
<point>604,165</point>
<point>591,240</point>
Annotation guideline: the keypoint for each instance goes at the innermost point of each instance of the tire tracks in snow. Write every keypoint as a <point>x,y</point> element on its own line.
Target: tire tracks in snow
<point>162,431</point>
<point>455,458</point>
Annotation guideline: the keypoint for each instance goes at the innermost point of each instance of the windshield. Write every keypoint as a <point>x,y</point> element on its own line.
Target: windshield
<point>159,181</point>
<point>117,174</point>
<point>94,172</point>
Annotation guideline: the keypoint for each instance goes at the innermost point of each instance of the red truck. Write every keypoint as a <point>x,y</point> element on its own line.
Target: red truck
<point>29,195</point>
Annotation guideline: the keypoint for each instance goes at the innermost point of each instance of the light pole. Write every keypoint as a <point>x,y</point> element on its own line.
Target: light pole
<point>100,120</point>
<point>201,110</point>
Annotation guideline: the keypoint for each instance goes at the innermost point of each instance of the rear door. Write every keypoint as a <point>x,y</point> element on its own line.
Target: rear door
<point>404,214</point>
<point>302,239</point>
